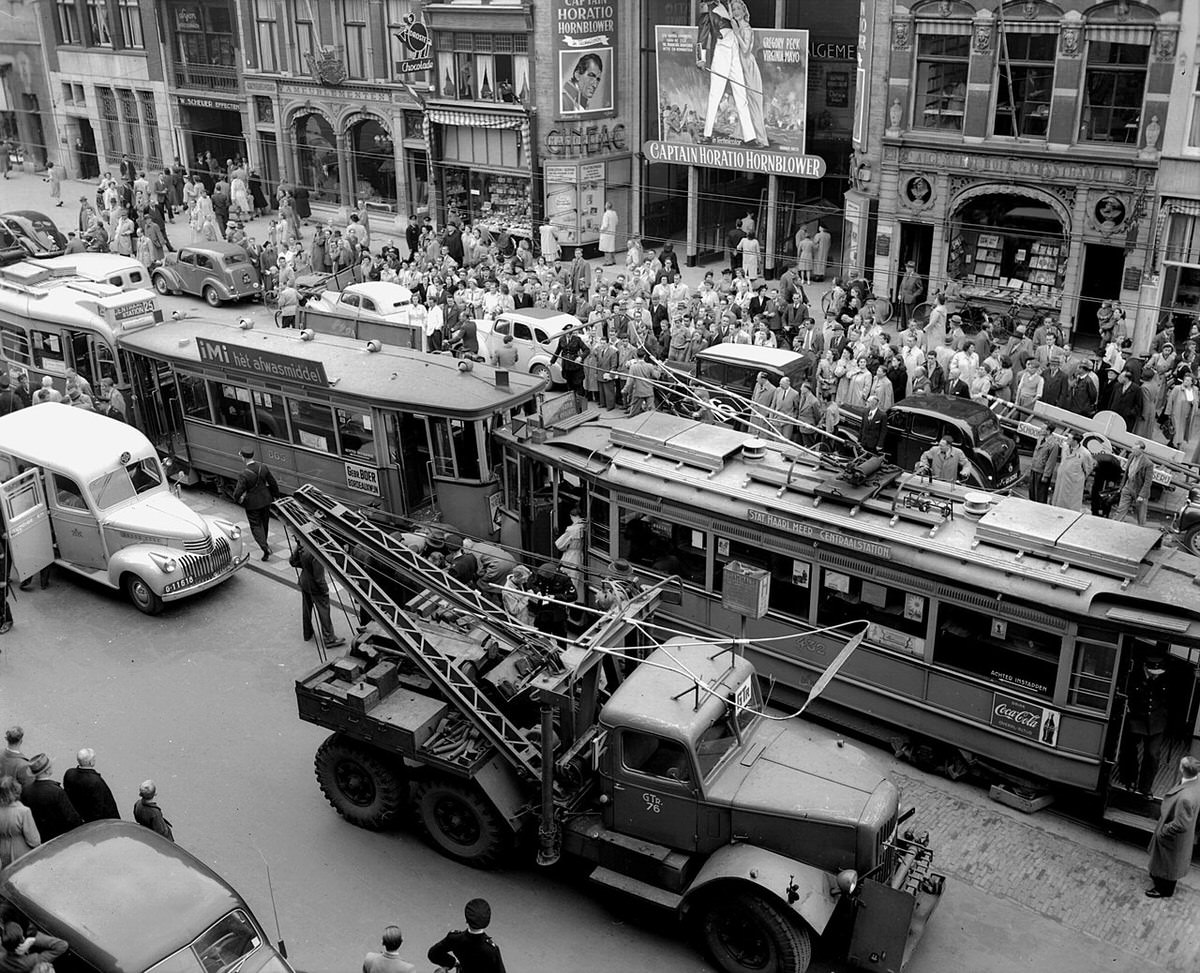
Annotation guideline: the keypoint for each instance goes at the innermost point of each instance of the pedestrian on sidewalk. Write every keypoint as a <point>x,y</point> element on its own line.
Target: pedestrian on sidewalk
<point>53,812</point>
<point>608,234</point>
<point>18,833</point>
<point>6,148</point>
<point>54,177</point>
<point>256,490</point>
<point>1171,846</point>
<point>471,950</point>
<point>87,790</point>
<point>389,960</point>
<point>314,597</point>
<point>148,814</point>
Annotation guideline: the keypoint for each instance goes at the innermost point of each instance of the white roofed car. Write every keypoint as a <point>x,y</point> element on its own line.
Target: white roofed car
<point>535,332</point>
<point>373,300</point>
<point>126,273</point>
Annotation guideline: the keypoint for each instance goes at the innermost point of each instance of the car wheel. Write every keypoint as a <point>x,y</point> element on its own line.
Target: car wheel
<point>540,371</point>
<point>459,822</point>
<point>744,933</point>
<point>142,595</point>
<point>1191,540</point>
<point>363,787</point>
<point>211,296</point>
<point>161,285</point>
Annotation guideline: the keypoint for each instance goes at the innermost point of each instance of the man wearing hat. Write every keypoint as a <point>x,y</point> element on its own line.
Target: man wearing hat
<point>9,401</point>
<point>471,950</point>
<point>53,812</point>
<point>256,489</point>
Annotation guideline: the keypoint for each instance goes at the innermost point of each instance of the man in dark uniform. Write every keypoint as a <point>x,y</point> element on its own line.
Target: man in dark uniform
<point>1145,723</point>
<point>873,427</point>
<point>471,950</point>
<point>255,490</point>
<point>314,596</point>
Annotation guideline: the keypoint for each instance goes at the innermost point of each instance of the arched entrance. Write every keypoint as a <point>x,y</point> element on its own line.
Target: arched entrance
<point>316,156</point>
<point>372,163</point>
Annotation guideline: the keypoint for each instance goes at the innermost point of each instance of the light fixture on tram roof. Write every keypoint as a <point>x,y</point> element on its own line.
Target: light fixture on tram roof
<point>465,365</point>
<point>245,324</point>
<point>307,334</point>
<point>374,345</point>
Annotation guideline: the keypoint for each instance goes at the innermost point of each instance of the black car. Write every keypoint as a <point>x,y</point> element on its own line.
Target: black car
<point>918,422</point>
<point>35,232</point>
<point>1187,523</point>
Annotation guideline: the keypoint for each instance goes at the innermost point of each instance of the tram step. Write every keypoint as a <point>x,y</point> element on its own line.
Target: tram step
<point>1128,819</point>
<point>1030,805</point>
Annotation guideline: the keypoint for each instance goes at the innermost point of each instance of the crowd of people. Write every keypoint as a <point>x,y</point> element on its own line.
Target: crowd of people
<point>107,399</point>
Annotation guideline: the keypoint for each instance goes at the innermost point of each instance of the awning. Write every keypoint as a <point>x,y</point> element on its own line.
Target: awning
<point>473,119</point>
<point>1171,207</point>
<point>1120,34</point>
<point>943,27</point>
<point>1029,27</point>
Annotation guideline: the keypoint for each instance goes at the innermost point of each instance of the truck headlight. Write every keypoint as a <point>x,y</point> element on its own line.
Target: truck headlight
<point>229,529</point>
<point>167,565</point>
<point>847,881</point>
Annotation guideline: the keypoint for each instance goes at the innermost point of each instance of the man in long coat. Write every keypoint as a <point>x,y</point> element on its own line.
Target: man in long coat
<point>1171,845</point>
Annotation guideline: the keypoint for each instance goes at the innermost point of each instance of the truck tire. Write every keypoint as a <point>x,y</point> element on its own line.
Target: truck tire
<point>362,785</point>
<point>141,594</point>
<point>459,822</point>
<point>1191,540</point>
<point>746,933</point>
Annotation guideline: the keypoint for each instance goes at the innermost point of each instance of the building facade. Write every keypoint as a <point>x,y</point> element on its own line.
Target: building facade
<point>26,120</point>
<point>107,86</point>
<point>1017,150</point>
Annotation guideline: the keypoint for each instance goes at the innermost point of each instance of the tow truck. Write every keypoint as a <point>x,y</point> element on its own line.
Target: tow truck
<point>657,765</point>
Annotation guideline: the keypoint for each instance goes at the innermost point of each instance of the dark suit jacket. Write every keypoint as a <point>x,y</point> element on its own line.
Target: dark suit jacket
<point>256,487</point>
<point>89,794</point>
<point>149,815</point>
<point>52,810</point>
<point>873,427</point>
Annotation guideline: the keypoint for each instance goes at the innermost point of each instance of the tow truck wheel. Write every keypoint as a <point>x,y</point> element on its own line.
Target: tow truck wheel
<point>142,595</point>
<point>362,786</point>
<point>1191,540</point>
<point>745,933</point>
<point>459,822</point>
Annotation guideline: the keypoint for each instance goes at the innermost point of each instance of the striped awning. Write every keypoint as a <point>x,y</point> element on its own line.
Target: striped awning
<point>473,119</point>
<point>1168,208</point>
<point>1029,27</point>
<point>943,26</point>
<point>1120,33</point>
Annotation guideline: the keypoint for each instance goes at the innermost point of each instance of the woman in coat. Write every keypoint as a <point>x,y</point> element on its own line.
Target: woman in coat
<point>1075,464</point>
<point>1182,404</point>
<point>18,833</point>
<point>123,234</point>
<point>570,546</point>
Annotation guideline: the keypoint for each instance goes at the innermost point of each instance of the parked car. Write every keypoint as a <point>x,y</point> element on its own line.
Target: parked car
<point>379,301</point>
<point>735,369</point>
<point>1186,523</point>
<point>216,271</point>
<point>127,900</point>
<point>126,273</point>
<point>535,331</point>
<point>917,423</point>
<point>36,232</point>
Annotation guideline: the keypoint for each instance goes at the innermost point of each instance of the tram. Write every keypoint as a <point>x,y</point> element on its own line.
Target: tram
<point>390,429</point>
<point>1003,632</point>
<point>51,319</point>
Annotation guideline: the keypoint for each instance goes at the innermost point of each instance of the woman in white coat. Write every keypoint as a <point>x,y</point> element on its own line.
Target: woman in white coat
<point>608,235</point>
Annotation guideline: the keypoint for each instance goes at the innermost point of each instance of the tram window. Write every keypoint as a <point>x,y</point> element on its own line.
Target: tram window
<point>105,362</point>
<point>312,425</point>
<point>67,493</point>
<point>269,414</point>
<point>233,406</point>
<point>48,353</point>
<point>997,649</point>
<point>789,576</point>
<point>354,432</point>
<point>1092,675</point>
<point>466,449</point>
<point>193,397</point>
<point>898,619</point>
<point>14,345</point>
<point>443,452</point>
<point>597,516</point>
<point>663,546</point>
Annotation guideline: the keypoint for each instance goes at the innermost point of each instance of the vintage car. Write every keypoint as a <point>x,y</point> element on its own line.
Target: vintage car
<point>535,331</point>
<point>378,301</point>
<point>216,271</point>
<point>35,232</point>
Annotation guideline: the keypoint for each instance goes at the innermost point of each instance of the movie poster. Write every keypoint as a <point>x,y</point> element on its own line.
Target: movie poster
<point>724,82</point>
<point>584,47</point>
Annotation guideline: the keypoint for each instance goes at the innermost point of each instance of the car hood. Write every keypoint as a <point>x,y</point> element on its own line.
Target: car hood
<point>158,517</point>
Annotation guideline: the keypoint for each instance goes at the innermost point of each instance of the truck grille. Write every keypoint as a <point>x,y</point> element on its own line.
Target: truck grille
<point>200,567</point>
<point>204,545</point>
<point>885,850</point>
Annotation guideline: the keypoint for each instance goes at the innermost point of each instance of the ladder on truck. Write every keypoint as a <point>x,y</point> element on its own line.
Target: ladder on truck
<point>509,741</point>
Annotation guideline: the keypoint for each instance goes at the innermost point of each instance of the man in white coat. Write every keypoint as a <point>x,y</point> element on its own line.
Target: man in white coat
<point>608,234</point>
<point>716,53</point>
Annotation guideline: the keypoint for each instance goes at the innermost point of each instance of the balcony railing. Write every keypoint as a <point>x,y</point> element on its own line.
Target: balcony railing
<point>207,77</point>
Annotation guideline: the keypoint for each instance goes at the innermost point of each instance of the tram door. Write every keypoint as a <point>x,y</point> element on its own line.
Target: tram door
<point>83,358</point>
<point>156,405</point>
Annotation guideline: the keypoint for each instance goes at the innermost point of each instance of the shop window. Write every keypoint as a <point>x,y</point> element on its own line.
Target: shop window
<point>897,619</point>
<point>97,22</point>
<point>997,649</point>
<point>233,406</point>
<point>317,156</point>
<point>14,345</point>
<point>269,414</point>
<point>663,546</point>
<point>110,123</point>
<point>312,425</point>
<point>647,754</point>
<point>66,21</point>
<point>264,31</point>
<point>373,156</point>
<point>598,523</point>
<point>1025,85</point>
<point>193,397</point>
<point>1193,139</point>
<point>355,435</point>
<point>482,67</point>
<point>1112,92</point>
<point>942,80</point>
<point>130,16</point>
<point>354,19</point>
<point>791,577</point>
<point>1183,239</point>
<point>150,128</point>
<point>130,124</point>
<point>48,353</point>
<point>1093,668</point>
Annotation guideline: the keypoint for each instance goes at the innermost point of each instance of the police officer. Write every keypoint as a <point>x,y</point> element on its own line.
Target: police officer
<point>255,490</point>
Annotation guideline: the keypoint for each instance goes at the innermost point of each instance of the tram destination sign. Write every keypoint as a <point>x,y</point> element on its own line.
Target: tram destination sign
<point>263,364</point>
<point>818,533</point>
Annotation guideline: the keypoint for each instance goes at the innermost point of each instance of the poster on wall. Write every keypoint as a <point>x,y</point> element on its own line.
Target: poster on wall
<point>584,47</point>
<point>562,202</point>
<point>724,84</point>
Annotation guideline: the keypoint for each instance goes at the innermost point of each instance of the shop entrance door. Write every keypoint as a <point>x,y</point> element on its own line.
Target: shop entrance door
<point>1102,270</point>
<point>916,243</point>
<point>268,151</point>
<point>85,148</point>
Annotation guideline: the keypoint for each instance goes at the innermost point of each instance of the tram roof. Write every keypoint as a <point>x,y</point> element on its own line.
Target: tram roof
<point>397,377</point>
<point>1047,557</point>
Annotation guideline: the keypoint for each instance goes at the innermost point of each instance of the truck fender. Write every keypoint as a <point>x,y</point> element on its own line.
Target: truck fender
<point>135,560</point>
<point>775,875</point>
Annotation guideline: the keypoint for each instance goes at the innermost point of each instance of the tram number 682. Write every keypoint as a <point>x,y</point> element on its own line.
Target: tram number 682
<point>653,803</point>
